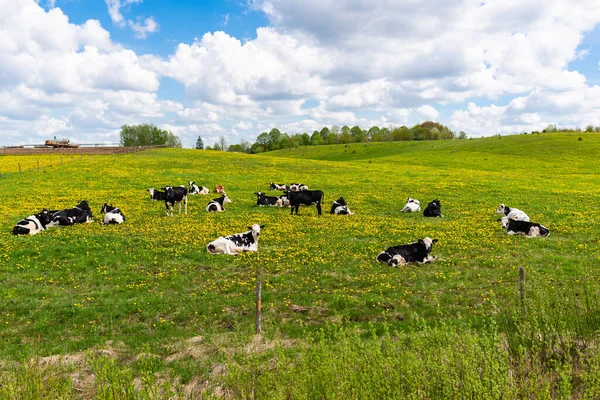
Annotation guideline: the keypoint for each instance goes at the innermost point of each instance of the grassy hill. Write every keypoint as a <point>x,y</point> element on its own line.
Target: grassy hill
<point>147,293</point>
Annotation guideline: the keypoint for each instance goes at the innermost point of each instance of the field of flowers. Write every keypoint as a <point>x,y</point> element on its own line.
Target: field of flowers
<point>147,289</point>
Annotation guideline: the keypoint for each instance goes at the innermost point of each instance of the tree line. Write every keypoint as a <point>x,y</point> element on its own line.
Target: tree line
<point>276,140</point>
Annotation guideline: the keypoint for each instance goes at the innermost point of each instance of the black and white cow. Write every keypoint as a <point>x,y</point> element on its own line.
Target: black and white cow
<point>174,195</point>
<point>237,243</point>
<point>406,253</point>
<point>195,189</point>
<point>339,207</point>
<point>33,224</point>
<point>302,187</point>
<point>79,214</point>
<point>283,201</point>
<point>112,215</point>
<point>527,228</point>
<point>277,186</point>
<point>412,205</point>
<point>157,195</point>
<point>433,209</point>
<point>262,200</point>
<point>294,187</point>
<point>512,213</point>
<point>306,197</point>
<point>217,205</point>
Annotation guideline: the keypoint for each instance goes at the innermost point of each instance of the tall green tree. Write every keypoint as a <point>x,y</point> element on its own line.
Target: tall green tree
<point>147,135</point>
<point>199,143</point>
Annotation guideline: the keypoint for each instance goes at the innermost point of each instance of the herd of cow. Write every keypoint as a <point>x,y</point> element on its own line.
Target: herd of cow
<point>81,213</point>
<point>514,221</point>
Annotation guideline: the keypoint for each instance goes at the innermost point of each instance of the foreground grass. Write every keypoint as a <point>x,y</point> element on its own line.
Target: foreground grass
<point>174,315</point>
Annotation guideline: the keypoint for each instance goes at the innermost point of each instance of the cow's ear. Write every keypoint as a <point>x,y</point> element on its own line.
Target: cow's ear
<point>434,241</point>
<point>420,241</point>
<point>249,228</point>
<point>262,226</point>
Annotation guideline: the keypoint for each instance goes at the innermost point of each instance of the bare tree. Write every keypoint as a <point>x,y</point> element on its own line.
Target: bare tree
<point>222,143</point>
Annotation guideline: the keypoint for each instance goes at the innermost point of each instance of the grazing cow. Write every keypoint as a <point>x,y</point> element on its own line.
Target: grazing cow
<point>433,209</point>
<point>277,186</point>
<point>217,205</point>
<point>302,187</point>
<point>237,243</point>
<point>262,200</point>
<point>406,253</point>
<point>512,213</point>
<point>33,224</point>
<point>219,189</point>
<point>283,201</point>
<point>77,215</point>
<point>112,215</point>
<point>195,189</point>
<point>157,195</point>
<point>340,207</point>
<point>175,195</point>
<point>412,205</point>
<point>306,197</point>
<point>527,228</point>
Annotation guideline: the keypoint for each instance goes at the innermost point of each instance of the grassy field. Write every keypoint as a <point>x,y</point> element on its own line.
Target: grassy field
<point>142,310</point>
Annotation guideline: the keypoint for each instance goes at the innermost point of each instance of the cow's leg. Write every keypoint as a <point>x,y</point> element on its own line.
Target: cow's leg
<point>319,207</point>
<point>292,208</point>
<point>185,199</point>
<point>180,207</point>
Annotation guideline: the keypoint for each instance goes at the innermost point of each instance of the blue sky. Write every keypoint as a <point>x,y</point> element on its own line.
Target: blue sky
<point>83,68</point>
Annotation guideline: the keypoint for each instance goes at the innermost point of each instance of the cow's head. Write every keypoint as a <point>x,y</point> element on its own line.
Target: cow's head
<point>151,190</point>
<point>340,201</point>
<point>44,217</point>
<point>83,204</point>
<point>428,242</point>
<point>501,209</point>
<point>104,208</point>
<point>226,198</point>
<point>505,221</point>
<point>191,183</point>
<point>411,200</point>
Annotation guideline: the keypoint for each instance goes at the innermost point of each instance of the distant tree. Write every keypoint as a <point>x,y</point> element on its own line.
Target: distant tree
<point>263,141</point>
<point>199,143</point>
<point>245,145</point>
<point>357,134</point>
<point>335,129</point>
<point>222,143</point>
<point>315,139</point>
<point>462,135</point>
<point>324,133</point>
<point>375,134</point>
<point>274,139</point>
<point>550,128</point>
<point>235,148</point>
<point>305,141</point>
<point>345,129</point>
<point>589,128</point>
<point>147,135</point>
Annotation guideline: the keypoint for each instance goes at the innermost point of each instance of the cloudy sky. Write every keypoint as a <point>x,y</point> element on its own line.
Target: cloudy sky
<point>83,68</point>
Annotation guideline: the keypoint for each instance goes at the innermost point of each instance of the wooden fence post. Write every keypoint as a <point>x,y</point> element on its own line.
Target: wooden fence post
<point>19,167</point>
<point>258,305</point>
<point>38,162</point>
<point>521,288</point>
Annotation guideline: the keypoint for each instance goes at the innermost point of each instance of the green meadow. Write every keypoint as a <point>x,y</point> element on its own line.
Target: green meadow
<point>141,310</point>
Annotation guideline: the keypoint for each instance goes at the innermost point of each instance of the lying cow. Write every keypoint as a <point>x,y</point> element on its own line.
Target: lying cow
<point>339,207</point>
<point>219,189</point>
<point>433,209</point>
<point>527,228</point>
<point>195,189</point>
<point>306,197</point>
<point>262,200</point>
<point>512,213</point>
<point>217,205</point>
<point>412,205</point>
<point>79,214</point>
<point>277,186</point>
<point>175,195</point>
<point>283,201</point>
<point>237,243</point>
<point>407,253</point>
<point>33,224</point>
<point>157,195</point>
<point>112,215</point>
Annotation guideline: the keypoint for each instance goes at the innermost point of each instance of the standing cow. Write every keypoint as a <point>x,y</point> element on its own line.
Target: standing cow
<point>306,197</point>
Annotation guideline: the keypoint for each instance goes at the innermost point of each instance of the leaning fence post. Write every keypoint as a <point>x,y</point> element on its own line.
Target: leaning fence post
<point>521,287</point>
<point>258,305</point>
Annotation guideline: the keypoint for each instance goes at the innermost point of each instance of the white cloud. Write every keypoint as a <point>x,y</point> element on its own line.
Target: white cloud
<point>243,125</point>
<point>142,29</point>
<point>427,112</point>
